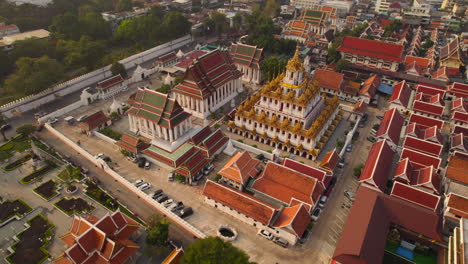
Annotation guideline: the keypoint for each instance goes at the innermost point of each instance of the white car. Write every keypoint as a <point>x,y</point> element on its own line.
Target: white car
<point>53,121</point>
<point>316,214</point>
<point>168,202</point>
<point>145,186</point>
<point>139,183</point>
<point>322,201</point>
<point>265,234</point>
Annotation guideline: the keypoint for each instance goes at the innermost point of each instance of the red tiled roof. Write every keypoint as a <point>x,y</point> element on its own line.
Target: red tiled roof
<point>425,121</point>
<point>458,205</point>
<point>329,79</point>
<point>441,74</point>
<point>8,26</point>
<point>460,105</point>
<point>433,134</point>
<point>285,184</point>
<point>295,218</point>
<point>214,141</point>
<point>460,116</point>
<point>425,89</point>
<point>114,80</point>
<point>419,159</point>
<point>372,48</point>
<point>428,108</point>
<point>459,129</point>
<point>201,135</point>
<point>132,144</point>
<point>459,142</point>
<point>458,89</point>
<point>415,196</point>
<point>167,57</point>
<point>360,107</point>
<point>423,146</point>
<point>391,125</point>
<point>240,168</point>
<point>193,164</point>
<point>323,177</point>
<point>93,121</point>
<point>421,62</point>
<point>365,232</point>
<point>379,159</point>
<point>403,170</point>
<point>401,94</point>
<point>457,168</point>
<point>241,202</point>
<point>246,55</point>
<point>369,87</point>
<point>330,160</point>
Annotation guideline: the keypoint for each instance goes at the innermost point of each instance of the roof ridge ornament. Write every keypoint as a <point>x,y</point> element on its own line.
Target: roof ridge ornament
<point>295,63</point>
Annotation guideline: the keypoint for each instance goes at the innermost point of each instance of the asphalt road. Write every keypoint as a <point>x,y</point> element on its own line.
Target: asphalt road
<point>134,203</point>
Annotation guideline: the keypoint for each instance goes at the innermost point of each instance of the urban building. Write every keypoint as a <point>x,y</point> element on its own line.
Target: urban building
<point>305,4</point>
<point>247,60</point>
<point>110,87</point>
<point>288,113</point>
<point>6,30</point>
<point>209,83</point>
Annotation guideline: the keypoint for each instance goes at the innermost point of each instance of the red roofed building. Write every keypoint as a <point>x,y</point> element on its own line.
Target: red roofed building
<point>455,208</point>
<point>323,176</point>
<point>288,223</point>
<point>458,90</point>
<point>426,108</point>
<point>416,196</point>
<point>210,82</point>
<point>188,59</point>
<point>213,143</point>
<point>424,64</point>
<point>420,160</point>
<point>459,118</point>
<point>423,146</point>
<point>372,53</point>
<point>192,167</point>
<point>237,171</point>
<point>441,74</point>
<point>369,88</point>
<point>456,172</point>
<point>167,60</point>
<point>373,217</point>
<point>430,90</point>
<point>459,142</point>
<point>390,126</point>
<point>450,54</point>
<point>376,170</point>
<point>425,122</point>
<point>110,87</point>
<point>330,160</point>
<point>330,82</point>
<point>425,178</point>
<point>400,96</point>
<point>247,60</point>
<point>288,186</point>
<point>132,144</point>
<point>94,122</point>
<point>459,105</point>
<point>6,30</point>
<point>106,240</point>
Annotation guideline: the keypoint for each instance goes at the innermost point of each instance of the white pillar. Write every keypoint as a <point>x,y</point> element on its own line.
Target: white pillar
<point>171,137</point>
<point>165,133</point>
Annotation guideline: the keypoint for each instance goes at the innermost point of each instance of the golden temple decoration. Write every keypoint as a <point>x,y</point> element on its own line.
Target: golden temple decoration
<point>297,128</point>
<point>285,124</point>
<point>295,63</point>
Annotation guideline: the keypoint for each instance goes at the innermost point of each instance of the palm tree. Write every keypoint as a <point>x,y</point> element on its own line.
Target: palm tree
<point>3,121</point>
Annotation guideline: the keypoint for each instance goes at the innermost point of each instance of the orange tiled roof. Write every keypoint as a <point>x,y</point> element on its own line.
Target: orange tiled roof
<point>329,79</point>
<point>458,205</point>
<point>240,168</point>
<point>457,169</point>
<point>295,219</point>
<point>285,184</point>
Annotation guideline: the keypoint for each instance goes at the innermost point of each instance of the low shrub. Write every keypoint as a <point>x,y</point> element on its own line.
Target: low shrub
<point>111,133</point>
<point>240,140</point>
<point>255,146</point>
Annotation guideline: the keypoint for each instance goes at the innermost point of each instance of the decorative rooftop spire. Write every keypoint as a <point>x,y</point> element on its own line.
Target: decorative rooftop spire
<point>295,63</point>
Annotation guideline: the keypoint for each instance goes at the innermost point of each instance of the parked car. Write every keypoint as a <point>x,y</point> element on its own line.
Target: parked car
<point>372,139</point>
<point>171,176</point>
<point>157,193</point>
<point>322,201</point>
<point>316,214</point>
<point>39,127</point>
<point>281,242</point>
<point>356,135</point>
<point>176,206</point>
<point>139,183</point>
<point>349,195</point>
<point>162,198</point>
<point>341,163</point>
<point>53,120</point>
<point>184,212</point>
<point>82,118</point>
<point>349,148</point>
<point>265,234</point>
<point>208,169</point>
<point>362,124</point>
<point>147,165</point>
<point>260,157</point>
<point>168,202</point>
<point>141,162</point>
<point>40,114</point>
<point>145,186</point>
<point>132,159</point>
<point>364,117</point>
<point>380,117</point>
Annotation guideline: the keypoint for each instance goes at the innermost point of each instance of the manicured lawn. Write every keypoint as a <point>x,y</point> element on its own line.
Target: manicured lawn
<point>47,190</point>
<point>16,144</point>
<point>74,206</point>
<point>31,246</point>
<point>10,208</point>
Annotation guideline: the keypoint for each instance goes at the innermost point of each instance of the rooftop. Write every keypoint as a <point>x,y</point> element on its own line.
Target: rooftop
<point>372,48</point>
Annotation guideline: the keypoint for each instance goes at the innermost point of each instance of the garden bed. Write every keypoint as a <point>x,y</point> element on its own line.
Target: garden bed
<point>110,133</point>
<point>47,190</point>
<point>34,176</point>
<point>8,209</point>
<point>15,164</point>
<point>74,206</point>
<point>75,174</point>
<point>32,242</point>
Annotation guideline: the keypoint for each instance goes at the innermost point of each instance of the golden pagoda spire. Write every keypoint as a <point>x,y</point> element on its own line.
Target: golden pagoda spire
<point>295,63</point>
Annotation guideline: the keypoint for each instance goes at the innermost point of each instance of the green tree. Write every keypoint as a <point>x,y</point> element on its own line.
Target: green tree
<point>33,48</point>
<point>118,68</point>
<point>68,175</point>
<point>165,88</point>
<point>213,250</point>
<point>3,121</point>
<point>34,75</point>
<point>95,26</point>
<point>179,25</point>
<point>26,130</point>
<point>6,64</point>
<point>272,8</point>
<point>82,53</point>
<point>66,26</point>
<point>220,22</point>
<point>123,5</point>
<point>271,67</point>
<point>237,21</point>
<point>157,236</point>
<point>343,64</point>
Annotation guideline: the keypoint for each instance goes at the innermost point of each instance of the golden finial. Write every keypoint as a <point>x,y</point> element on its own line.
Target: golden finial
<point>295,63</point>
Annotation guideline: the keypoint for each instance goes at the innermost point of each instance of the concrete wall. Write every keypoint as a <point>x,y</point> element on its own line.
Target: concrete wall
<point>143,196</point>
<point>104,137</point>
<point>248,148</point>
<point>61,111</point>
<point>34,101</point>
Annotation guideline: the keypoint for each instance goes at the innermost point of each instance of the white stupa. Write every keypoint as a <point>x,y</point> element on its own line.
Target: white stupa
<point>230,149</point>
<point>169,79</point>
<point>180,54</point>
<point>116,106</point>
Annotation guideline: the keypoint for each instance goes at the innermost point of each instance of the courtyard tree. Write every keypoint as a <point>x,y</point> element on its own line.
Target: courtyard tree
<point>118,68</point>
<point>342,65</point>
<point>220,22</point>
<point>3,121</point>
<point>26,130</point>
<point>158,233</point>
<point>237,21</point>
<point>213,250</point>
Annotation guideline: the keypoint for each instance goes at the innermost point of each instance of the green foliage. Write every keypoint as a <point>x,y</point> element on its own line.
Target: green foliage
<point>357,170</point>
<point>333,54</point>
<point>369,37</point>
<point>66,26</point>
<point>35,175</point>
<point>269,151</point>
<point>123,5</point>
<point>165,89</point>
<point>217,178</point>
<point>82,53</point>
<point>376,126</point>
<point>213,250</point>
<point>114,115</point>
<point>158,234</point>
<point>33,48</point>
<point>180,178</point>
<point>340,144</point>
<point>34,75</point>
<point>111,133</point>
<point>118,68</point>
<point>240,140</point>
<point>216,126</point>
<point>15,164</point>
<point>26,130</point>
<point>220,22</point>
<point>271,67</point>
<point>343,64</point>
<point>125,152</point>
<point>272,8</point>
<point>6,64</point>
<point>392,27</point>
<point>70,174</point>
<point>237,21</point>
<point>255,146</point>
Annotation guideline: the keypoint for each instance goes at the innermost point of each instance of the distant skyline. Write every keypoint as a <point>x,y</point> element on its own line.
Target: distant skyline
<point>36,2</point>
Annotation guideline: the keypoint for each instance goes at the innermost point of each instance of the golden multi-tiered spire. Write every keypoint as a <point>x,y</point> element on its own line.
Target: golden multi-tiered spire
<point>295,63</point>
